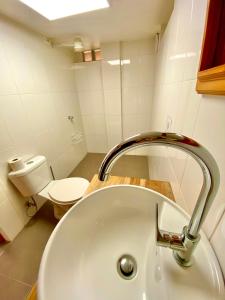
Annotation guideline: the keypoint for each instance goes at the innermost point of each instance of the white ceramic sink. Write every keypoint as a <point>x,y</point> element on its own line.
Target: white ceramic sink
<point>80,259</point>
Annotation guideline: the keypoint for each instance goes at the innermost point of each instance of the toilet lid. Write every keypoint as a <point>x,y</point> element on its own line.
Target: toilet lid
<point>68,190</point>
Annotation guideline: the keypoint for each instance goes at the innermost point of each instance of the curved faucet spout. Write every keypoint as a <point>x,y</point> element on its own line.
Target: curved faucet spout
<point>198,152</point>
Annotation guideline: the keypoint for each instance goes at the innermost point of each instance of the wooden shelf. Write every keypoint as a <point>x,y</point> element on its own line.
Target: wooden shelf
<point>212,81</point>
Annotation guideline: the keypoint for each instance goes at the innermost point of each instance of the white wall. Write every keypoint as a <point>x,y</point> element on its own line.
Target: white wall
<point>115,99</point>
<point>91,98</point>
<point>197,116</point>
<point>137,85</point>
<point>111,78</point>
<point>37,92</point>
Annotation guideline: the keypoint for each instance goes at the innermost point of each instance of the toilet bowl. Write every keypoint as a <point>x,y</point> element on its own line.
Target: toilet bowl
<point>35,179</point>
<point>64,193</point>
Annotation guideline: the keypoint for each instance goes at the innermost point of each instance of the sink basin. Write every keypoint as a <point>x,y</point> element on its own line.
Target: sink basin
<point>81,258</point>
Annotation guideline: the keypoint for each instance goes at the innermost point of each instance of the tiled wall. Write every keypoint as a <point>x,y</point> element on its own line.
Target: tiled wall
<point>137,85</point>
<point>91,98</point>
<point>197,116</point>
<point>37,92</point>
<point>116,99</point>
<point>111,79</point>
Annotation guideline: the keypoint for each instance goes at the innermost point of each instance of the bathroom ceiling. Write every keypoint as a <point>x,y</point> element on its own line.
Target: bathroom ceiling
<point>124,20</point>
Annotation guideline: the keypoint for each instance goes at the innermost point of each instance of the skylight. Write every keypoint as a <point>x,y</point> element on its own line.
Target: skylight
<point>57,9</point>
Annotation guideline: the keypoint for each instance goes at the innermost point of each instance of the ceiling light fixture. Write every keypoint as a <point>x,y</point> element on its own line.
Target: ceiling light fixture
<point>52,9</point>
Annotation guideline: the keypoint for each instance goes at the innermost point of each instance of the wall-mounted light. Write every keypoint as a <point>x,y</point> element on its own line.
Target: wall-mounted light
<point>57,9</point>
<point>117,62</point>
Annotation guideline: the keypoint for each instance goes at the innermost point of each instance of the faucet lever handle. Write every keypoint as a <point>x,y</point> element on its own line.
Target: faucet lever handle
<point>168,239</point>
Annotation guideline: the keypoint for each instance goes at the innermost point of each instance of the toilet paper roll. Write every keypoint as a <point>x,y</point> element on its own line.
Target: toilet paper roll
<point>16,163</point>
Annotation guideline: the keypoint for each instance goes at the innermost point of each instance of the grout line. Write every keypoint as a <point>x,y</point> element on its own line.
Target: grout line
<point>104,105</point>
<point>215,227</point>
<point>121,92</point>
<point>193,130</point>
<point>18,281</point>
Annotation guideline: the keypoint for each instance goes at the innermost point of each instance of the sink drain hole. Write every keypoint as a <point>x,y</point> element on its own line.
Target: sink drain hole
<point>127,267</point>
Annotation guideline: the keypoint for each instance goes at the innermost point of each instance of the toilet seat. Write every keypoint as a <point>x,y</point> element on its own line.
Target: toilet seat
<point>67,191</point>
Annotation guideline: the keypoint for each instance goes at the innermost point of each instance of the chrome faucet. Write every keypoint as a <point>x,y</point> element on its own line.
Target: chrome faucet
<point>182,244</point>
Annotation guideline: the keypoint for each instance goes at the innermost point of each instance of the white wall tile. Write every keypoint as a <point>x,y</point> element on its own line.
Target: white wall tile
<point>7,83</point>
<point>81,77</point>
<point>5,140</point>
<point>200,117</point>
<point>15,120</point>
<point>88,76</point>
<point>97,143</point>
<point>129,126</point>
<point>131,73</point>
<point>10,221</point>
<point>95,77</point>
<point>130,100</point>
<point>130,49</point>
<point>145,100</point>
<point>114,130</point>
<point>40,111</point>
<point>209,131</point>
<point>50,150</point>
<point>65,162</point>
<point>39,74</point>
<point>142,123</point>
<point>94,124</point>
<point>112,102</point>
<point>37,93</point>
<point>146,69</point>
<point>91,102</point>
<point>138,48</point>
<point>20,61</point>
<point>101,105</point>
<point>191,183</point>
<point>159,111</point>
<point>137,86</point>
<point>111,51</point>
<point>137,100</point>
<point>146,46</point>
<point>59,73</point>
<point>218,241</point>
<point>110,75</point>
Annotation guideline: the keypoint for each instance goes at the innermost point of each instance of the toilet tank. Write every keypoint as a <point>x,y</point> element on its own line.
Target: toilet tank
<point>33,177</point>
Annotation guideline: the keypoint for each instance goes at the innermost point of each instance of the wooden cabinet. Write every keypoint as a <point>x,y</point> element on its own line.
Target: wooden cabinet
<point>211,74</point>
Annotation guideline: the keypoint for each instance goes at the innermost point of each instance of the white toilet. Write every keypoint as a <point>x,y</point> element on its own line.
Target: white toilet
<point>35,179</point>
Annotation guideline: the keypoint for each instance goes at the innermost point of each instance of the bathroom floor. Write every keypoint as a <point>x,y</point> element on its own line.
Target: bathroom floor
<point>19,260</point>
<point>128,165</point>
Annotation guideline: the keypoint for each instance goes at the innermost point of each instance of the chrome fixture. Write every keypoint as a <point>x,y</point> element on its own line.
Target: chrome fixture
<point>70,118</point>
<point>127,267</point>
<point>182,244</point>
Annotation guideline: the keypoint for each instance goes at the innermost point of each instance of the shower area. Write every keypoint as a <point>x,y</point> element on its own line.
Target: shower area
<point>115,94</point>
